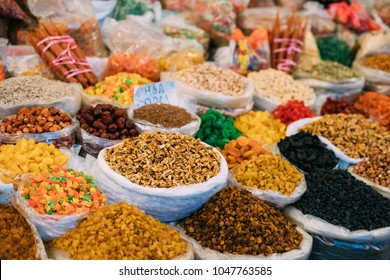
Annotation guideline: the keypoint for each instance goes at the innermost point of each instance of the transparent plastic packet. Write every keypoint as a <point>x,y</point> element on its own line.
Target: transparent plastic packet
<point>77,18</point>
<point>203,253</point>
<point>228,112</point>
<point>92,144</point>
<point>167,205</point>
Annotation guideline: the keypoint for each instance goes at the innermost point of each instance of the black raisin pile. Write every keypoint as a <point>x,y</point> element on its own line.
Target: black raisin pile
<point>307,152</point>
<point>338,198</point>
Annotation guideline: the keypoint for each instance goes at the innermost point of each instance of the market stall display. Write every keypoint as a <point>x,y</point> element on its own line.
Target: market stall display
<point>135,235</point>
<point>228,236</point>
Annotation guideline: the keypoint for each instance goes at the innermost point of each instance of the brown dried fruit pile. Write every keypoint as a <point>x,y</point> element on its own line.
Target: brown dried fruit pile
<point>121,232</point>
<point>16,238</point>
<point>165,115</point>
<point>163,160</point>
<point>235,221</point>
<point>376,169</point>
<point>35,120</point>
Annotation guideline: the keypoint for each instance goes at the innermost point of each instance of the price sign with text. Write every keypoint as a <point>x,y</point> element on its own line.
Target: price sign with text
<point>163,92</point>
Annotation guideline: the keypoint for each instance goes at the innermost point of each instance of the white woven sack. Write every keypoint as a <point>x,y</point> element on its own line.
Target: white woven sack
<point>165,204</point>
<point>313,224</point>
<point>202,253</point>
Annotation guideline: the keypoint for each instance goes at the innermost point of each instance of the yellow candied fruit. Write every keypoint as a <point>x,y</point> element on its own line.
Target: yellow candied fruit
<point>268,172</point>
<point>27,156</point>
<point>261,126</point>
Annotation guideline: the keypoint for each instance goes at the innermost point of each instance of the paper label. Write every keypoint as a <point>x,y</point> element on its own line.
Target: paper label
<point>162,92</point>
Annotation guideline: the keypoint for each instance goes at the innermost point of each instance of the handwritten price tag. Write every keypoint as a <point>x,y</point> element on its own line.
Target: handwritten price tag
<point>163,92</point>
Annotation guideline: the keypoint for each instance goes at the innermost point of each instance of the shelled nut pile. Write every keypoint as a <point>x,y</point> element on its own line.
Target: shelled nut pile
<point>376,169</point>
<point>163,160</point>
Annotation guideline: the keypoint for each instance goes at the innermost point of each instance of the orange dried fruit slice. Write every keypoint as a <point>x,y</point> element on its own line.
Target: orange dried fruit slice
<point>242,141</point>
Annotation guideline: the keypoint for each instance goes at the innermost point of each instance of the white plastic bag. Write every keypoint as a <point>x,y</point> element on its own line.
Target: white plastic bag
<point>277,199</point>
<point>69,104</point>
<point>92,100</point>
<point>372,74</point>
<point>313,224</point>
<point>213,99</point>
<point>99,66</point>
<point>144,126</point>
<point>338,243</point>
<point>202,253</point>
<point>266,104</point>
<point>52,226</point>
<point>345,160</point>
<point>340,88</point>
<point>165,204</point>
<point>93,144</point>
<point>228,112</point>
<point>380,189</point>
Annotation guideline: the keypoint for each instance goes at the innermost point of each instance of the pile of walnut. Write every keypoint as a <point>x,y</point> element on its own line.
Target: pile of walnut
<point>107,121</point>
<point>35,120</point>
<point>163,160</point>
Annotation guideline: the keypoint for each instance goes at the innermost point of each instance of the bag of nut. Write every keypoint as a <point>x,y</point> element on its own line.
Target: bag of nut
<point>163,174</point>
<point>227,89</point>
<point>49,125</point>
<point>29,91</point>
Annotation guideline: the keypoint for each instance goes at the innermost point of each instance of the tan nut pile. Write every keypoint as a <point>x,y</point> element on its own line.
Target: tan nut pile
<point>121,232</point>
<point>212,78</point>
<point>163,160</point>
<point>268,172</point>
<point>17,241</point>
<point>353,134</point>
<point>376,169</point>
<point>280,87</point>
<point>237,222</point>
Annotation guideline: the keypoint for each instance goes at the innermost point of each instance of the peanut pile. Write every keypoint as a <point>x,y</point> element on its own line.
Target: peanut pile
<point>212,78</point>
<point>163,160</point>
<point>376,169</point>
<point>237,222</point>
<point>268,172</point>
<point>121,232</point>
<point>35,120</point>
<point>353,134</point>
<point>16,237</point>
